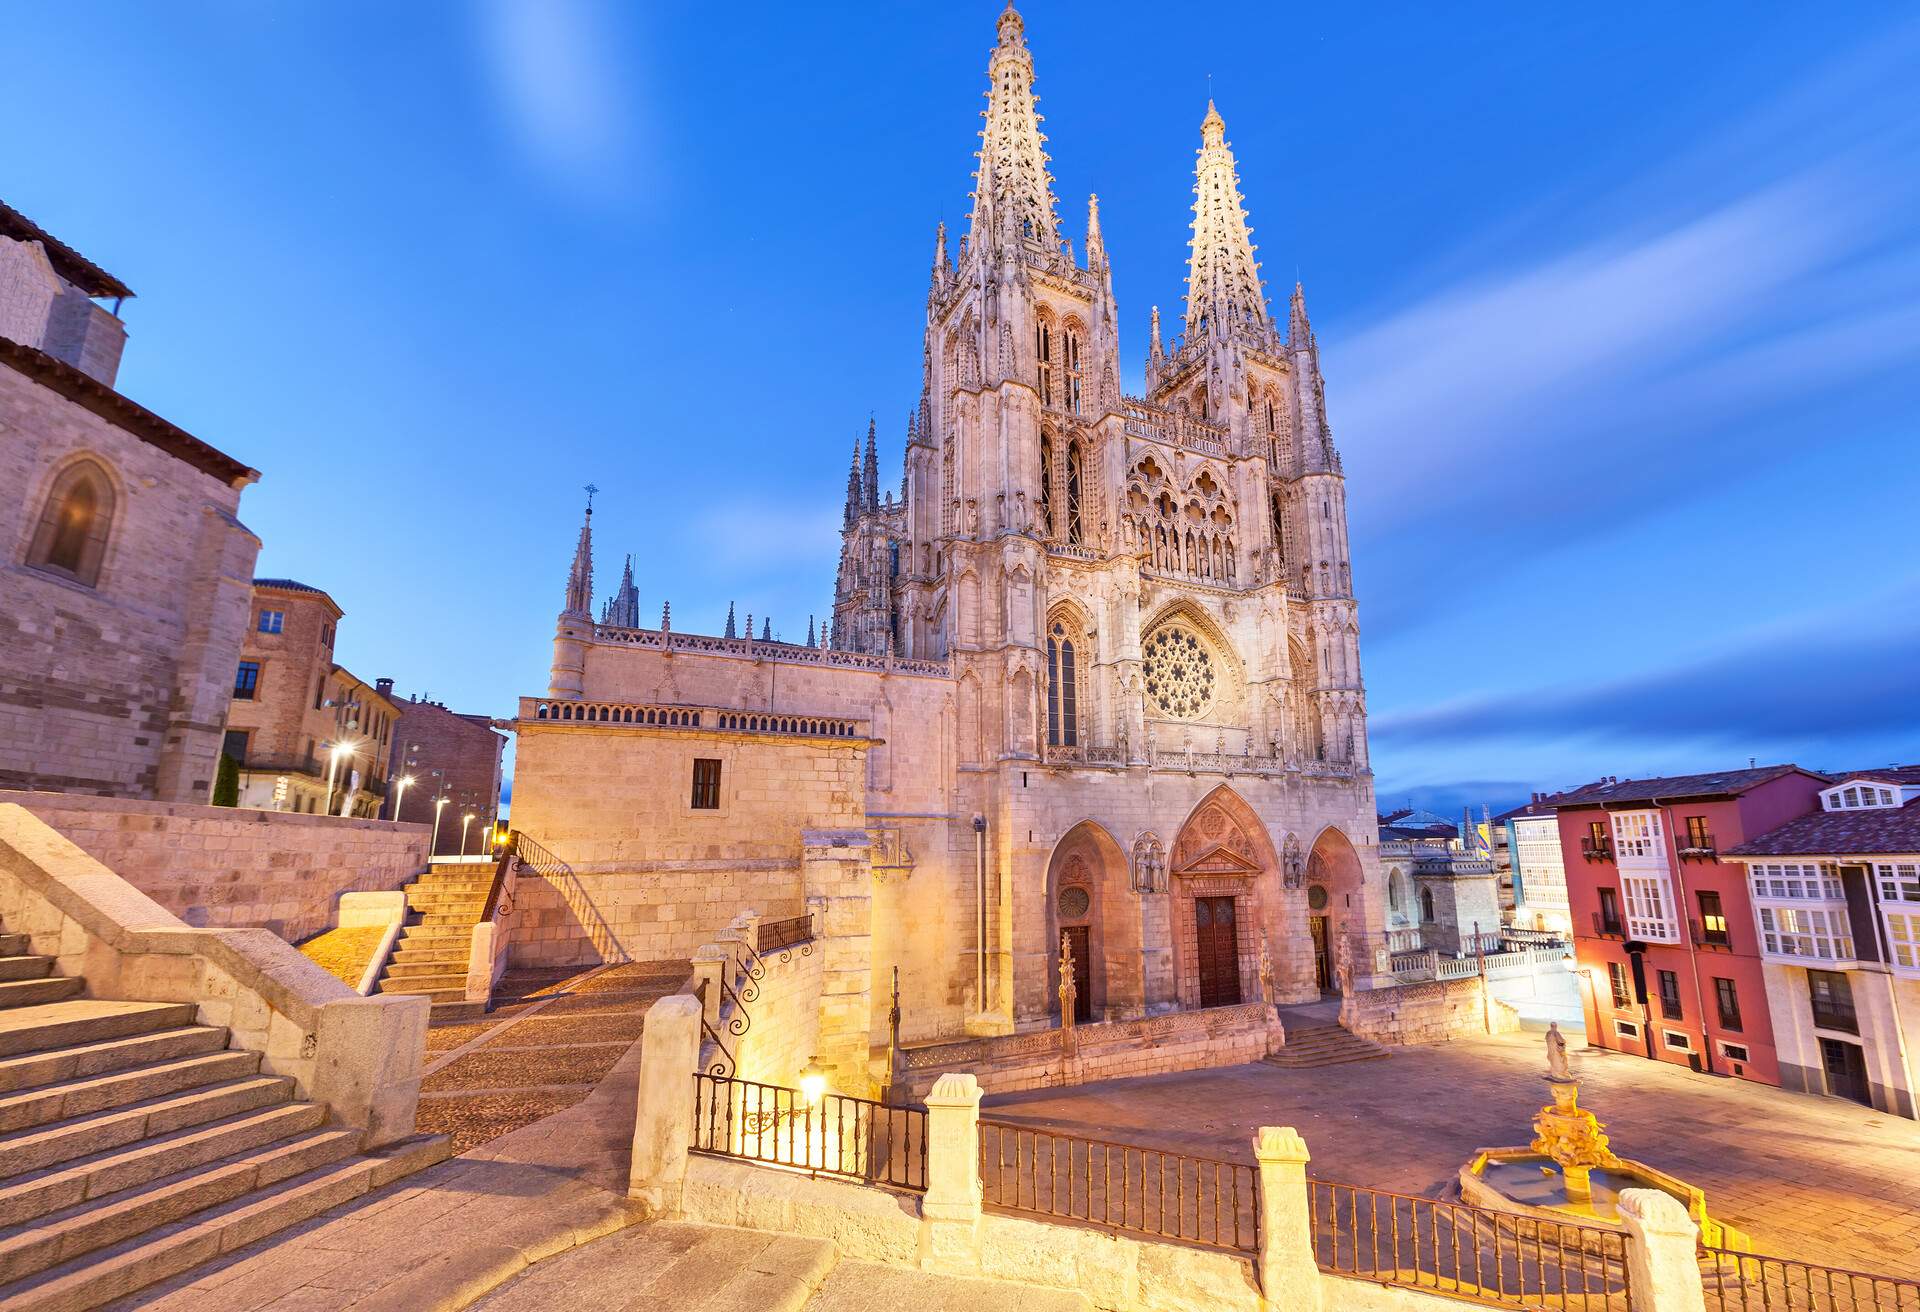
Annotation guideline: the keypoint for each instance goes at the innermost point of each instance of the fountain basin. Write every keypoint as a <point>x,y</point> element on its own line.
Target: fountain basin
<point>1530,1183</point>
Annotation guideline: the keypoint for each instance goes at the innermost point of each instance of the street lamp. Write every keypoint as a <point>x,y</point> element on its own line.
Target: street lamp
<point>439,805</point>
<point>344,747</point>
<point>465,821</point>
<point>400,794</point>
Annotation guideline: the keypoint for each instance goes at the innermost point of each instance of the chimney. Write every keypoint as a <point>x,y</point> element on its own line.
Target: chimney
<point>384,687</point>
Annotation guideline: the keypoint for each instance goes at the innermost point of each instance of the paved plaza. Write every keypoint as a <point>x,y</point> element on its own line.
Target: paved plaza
<point>1818,1179</point>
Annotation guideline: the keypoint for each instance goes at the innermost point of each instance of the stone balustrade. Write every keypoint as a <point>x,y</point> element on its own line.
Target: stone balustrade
<point>792,653</point>
<point>714,718</point>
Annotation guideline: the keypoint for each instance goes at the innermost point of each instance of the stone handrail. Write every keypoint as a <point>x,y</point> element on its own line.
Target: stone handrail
<point>755,649</point>
<point>360,1056</point>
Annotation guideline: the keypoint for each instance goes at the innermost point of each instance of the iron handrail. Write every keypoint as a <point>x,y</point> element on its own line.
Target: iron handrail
<point>835,1134</point>
<point>1760,1283</point>
<point>1206,1201</point>
<point>785,933</point>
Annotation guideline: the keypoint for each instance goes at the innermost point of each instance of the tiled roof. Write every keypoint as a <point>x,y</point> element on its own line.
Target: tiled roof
<point>1841,833</point>
<point>95,396</point>
<point>1890,774</point>
<point>288,585</point>
<point>1723,784</point>
<point>67,262</point>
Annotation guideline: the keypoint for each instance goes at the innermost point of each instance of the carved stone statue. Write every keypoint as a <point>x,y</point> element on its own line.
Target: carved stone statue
<point>1557,1069</point>
<point>1266,972</point>
<point>1068,990</point>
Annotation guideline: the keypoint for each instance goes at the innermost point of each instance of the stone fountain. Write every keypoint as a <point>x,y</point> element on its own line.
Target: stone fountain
<point>1569,1172</point>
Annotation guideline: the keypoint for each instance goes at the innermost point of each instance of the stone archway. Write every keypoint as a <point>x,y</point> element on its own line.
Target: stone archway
<point>1336,893</point>
<point>1087,897</point>
<point>1223,868</point>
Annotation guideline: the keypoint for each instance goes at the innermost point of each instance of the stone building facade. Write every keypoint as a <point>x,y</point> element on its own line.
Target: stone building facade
<point>1095,674</point>
<point>449,756</point>
<point>308,735</point>
<point>124,566</point>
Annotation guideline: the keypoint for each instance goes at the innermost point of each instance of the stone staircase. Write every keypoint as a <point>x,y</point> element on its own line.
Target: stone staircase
<point>134,1145</point>
<point>430,958</point>
<point>1323,1044</point>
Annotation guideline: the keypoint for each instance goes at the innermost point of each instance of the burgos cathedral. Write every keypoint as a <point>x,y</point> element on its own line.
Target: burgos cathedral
<point>1092,681</point>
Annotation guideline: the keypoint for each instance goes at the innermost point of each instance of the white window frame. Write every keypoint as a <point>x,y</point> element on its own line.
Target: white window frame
<point>1727,1051</point>
<point>1639,839</point>
<point>1903,937</point>
<point>1648,910</point>
<point>1805,933</point>
<point>1627,1029</point>
<point>1861,795</point>
<point>1667,1038</point>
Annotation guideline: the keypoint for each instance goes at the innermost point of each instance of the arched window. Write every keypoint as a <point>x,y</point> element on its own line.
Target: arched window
<point>950,502</point>
<point>1074,534</point>
<point>1063,720</point>
<point>71,537</point>
<point>1046,484</point>
<point>1043,354</point>
<point>1426,906</point>
<point>1071,341</point>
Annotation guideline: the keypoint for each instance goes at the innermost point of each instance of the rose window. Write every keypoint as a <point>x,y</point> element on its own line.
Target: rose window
<point>1179,673</point>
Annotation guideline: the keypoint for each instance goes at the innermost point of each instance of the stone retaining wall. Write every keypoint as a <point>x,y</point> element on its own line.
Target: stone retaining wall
<point>1178,1041</point>
<point>658,911</point>
<point>1432,1012</point>
<point>223,867</point>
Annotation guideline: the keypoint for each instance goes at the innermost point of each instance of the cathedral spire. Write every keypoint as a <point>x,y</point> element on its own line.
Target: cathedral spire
<point>853,494</point>
<point>623,608</point>
<point>1153,345</point>
<point>1012,195</point>
<point>940,266</point>
<point>870,471</point>
<point>1299,331</point>
<point>731,632</point>
<point>1223,279</point>
<point>1096,244</point>
<point>580,577</point>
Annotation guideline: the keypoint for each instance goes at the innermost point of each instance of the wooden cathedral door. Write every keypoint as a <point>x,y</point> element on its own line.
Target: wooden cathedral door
<point>1217,952</point>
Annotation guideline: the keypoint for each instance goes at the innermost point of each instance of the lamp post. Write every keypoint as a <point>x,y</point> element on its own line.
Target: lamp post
<point>400,794</point>
<point>465,822</point>
<point>439,805</point>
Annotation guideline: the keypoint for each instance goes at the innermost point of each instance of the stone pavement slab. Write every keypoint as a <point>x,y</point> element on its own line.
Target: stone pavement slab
<point>1818,1179</point>
<point>666,1265</point>
<point>868,1287</point>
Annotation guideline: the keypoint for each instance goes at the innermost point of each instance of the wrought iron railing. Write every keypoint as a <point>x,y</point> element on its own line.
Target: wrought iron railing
<point>1121,1186</point>
<point>776,934</point>
<point>1750,1282</point>
<point>854,1138</point>
<point>1467,1252</point>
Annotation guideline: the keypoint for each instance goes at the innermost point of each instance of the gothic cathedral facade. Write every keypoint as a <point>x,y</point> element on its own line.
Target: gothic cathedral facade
<point>1102,648</point>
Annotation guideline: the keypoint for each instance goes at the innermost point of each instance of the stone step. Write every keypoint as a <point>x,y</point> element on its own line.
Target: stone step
<point>98,1278</point>
<point>25,967</point>
<point>432,919</point>
<point>99,1174</point>
<point>437,964</point>
<point>75,1231</point>
<point>48,1145</point>
<point>36,1068</point>
<point>415,937</point>
<point>32,992</point>
<point>455,953</point>
<point>97,1093</point>
<point>86,1020</point>
<point>428,984</point>
<point>463,887</point>
<point>455,1011</point>
<point>14,945</point>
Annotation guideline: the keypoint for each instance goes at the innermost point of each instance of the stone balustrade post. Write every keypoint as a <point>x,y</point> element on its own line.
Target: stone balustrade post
<point>1289,1276</point>
<point>1663,1269</point>
<point>733,941</point>
<point>950,1210</point>
<point>750,927</point>
<point>710,964</point>
<point>663,1115</point>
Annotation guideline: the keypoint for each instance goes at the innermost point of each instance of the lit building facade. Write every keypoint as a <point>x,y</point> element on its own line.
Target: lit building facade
<point>1663,922</point>
<point>1836,906</point>
<point>1539,868</point>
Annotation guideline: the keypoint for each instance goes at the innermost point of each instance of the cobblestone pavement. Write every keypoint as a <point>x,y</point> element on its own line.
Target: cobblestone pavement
<point>1818,1179</point>
<point>551,1037</point>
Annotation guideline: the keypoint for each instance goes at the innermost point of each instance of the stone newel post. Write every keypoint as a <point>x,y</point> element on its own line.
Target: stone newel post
<point>663,1118</point>
<point>1289,1278</point>
<point>950,1212</point>
<point>1661,1261</point>
<point>710,964</point>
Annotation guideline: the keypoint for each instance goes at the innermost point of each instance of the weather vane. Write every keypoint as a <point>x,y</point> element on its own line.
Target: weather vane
<point>591,489</point>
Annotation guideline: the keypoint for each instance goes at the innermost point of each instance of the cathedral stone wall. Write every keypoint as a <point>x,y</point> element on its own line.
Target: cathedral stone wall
<point>119,687</point>
<point>225,868</point>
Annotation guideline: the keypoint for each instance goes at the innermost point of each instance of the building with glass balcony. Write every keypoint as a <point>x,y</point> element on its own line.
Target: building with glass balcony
<point>1836,906</point>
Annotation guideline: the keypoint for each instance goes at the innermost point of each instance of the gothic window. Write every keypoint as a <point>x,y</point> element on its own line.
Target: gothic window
<point>1046,484</point>
<point>1179,672</point>
<point>1043,353</point>
<point>1280,527</point>
<point>950,503</point>
<point>71,537</point>
<point>1070,340</point>
<point>1074,532</point>
<point>1063,711</point>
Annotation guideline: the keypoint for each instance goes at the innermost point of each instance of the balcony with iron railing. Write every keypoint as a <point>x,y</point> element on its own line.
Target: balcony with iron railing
<point>1699,847</point>
<point>1596,849</point>
<point>1608,927</point>
<point>1836,1014</point>
<point>1710,940</point>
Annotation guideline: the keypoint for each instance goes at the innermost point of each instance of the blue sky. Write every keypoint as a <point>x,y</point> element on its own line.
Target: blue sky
<point>1619,310</point>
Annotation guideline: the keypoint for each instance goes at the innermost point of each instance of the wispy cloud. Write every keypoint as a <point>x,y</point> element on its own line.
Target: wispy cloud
<point>556,72</point>
<point>753,535</point>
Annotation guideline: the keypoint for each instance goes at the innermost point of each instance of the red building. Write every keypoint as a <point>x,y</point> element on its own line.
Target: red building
<point>1663,928</point>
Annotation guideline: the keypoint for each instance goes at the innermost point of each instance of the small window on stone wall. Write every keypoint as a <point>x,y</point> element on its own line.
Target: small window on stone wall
<point>706,785</point>
<point>71,537</point>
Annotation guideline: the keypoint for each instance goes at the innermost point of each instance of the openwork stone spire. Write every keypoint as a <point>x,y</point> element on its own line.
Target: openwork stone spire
<point>1012,191</point>
<point>870,470</point>
<point>580,577</point>
<point>1223,279</point>
<point>623,608</point>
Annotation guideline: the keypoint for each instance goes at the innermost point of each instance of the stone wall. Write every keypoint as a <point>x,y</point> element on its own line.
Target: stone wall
<point>783,1033</point>
<point>118,688</point>
<point>1179,1041</point>
<point>1431,1012</point>
<point>226,868</point>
